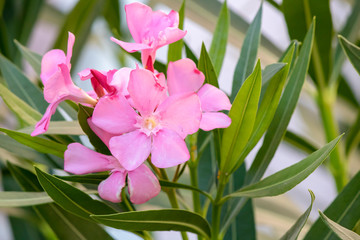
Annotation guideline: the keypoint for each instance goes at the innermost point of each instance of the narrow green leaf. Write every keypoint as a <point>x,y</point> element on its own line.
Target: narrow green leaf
<point>352,52</point>
<point>289,177</point>
<point>283,113</point>
<point>26,113</point>
<point>93,178</point>
<point>343,233</point>
<point>37,143</point>
<point>70,198</point>
<point>59,128</point>
<point>33,58</point>
<point>219,41</point>
<point>157,220</point>
<point>248,54</point>
<point>299,142</point>
<point>206,66</point>
<point>190,54</point>
<point>269,72</point>
<point>353,136</point>
<point>22,199</point>
<point>111,14</point>
<point>242,114</point>
<point>175,49</point>
<point>294,231</point>
<point>344,210</point>
<point>168,184</point>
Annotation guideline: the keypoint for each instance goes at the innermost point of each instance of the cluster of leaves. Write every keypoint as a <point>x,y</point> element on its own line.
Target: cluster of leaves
<point>263,103</point>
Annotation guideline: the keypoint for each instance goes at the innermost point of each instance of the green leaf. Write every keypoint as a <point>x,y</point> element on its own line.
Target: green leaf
<point>59,128</point>
<point>79,22</point>
<point>269,72</point>
<point>246,62</point>
<point>353,135</point>
<point>157,220</point>
<point>242,114</point>
<point>168,184</point>
<point>22,199</point>
<point>190,54</point>
<point>283,113</point>
<point>33,58</point>
<point>299,142</point>
<point>93,178</point>
<point>344,210</point>
<point>219,41</point>
<point>340,231</point>
<point>111,14</point>
<point>37,143</point>
<point>289,177</point>
<point>352,52</point>
<point>70,198</point>
<point>26,113</point>
<point>83,115</point>
<point>294,231</point>
<point>175,49</point>
<point>206,66</point>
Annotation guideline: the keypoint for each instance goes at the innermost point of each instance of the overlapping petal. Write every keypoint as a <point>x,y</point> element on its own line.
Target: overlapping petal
<point>212,120</point>
<point>110,188</point>
<point>213,99</point>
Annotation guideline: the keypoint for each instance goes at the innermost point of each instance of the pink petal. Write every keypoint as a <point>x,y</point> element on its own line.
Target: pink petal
<point>110,188</point>
<point>102,134</point>
<point>138,17</point>
<point>181,113</point>
<point>183,77</point>
<point>131,149</point>
<point>50,62</point>
<point>78,159</point>
<point>120,80</point>
<point>168,149</point>
<point>213,99</point>
<point>114,115</point>
<point>212,120</point>
<point>71,40</point>
<point>170,35</point>
<point>148,58</point>
<point>144,91</point>
<point>85,74</point>
<point>131,47</point>
<point>142,185</point>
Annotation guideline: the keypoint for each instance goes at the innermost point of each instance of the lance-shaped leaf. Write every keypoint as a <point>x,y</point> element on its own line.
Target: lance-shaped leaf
<point>242,114</point>
<point>352,52</point>
<point>175,49</point>
<point>168,184</point>
<point>26,113</point>
<point>37,143</point>
<point>286,179</point>
<point>299,142</point>
<point>70,198</point>
<point>31,57</point>
<point>190,54</point>
<point>59,128</point>
<point>344,210</point>
<point>294,231</point>
<point>23,199</point>
<point>246,62</point>
<point>111,14</point>
<point>92,178</point>
<point>219,41</point>
<point>157,220</point>
<point>343,233</point>
<point>206,66</point>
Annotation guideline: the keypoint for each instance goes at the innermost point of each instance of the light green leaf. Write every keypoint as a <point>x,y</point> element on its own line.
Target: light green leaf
<point>294,231</point>
<point>70,198</point>
<point>175,49</point>
<point>246,62</point>
<point>343,233</point>
<point>22,199</point>
<point>59,128</point>
<point>26,113</point>
<point>219,41</point>
<point>269,72</point>
<point>289,177</point>
<point>206,66</point>
<point>242,114</point>
<point>37,143</point>
<point>352,52</point>
<point>33,58</point>
<point>157,220</point>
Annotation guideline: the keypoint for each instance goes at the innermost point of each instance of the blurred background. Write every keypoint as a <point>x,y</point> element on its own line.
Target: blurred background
<point>272,215</point>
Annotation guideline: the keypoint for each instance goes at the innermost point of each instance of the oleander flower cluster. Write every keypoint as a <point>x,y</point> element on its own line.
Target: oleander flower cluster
<point>139,113</point>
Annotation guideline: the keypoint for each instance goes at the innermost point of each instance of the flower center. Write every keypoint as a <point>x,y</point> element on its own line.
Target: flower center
<point>149,125</point>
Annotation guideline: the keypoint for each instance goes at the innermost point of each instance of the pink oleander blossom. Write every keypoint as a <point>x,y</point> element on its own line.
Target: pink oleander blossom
<point>142,183</point>
<point>184,77</point>
<point>150,123</point>
<point>150,30</point>
<point>58,86</point>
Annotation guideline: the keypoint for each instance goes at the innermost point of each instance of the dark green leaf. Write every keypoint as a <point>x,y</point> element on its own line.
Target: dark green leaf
<point>93,178</point>
<point>353,136</point>
<point>190,54</point>
<point>168,184</point>
<point>219,41</point>
<point>340,231</point>
<point>37,143</point>
<point>246,62</point>
<point>175,49</point>
<point>294,231</point>
<point>157,220</point>
<point>299,142</point>
<point>344,210</point>
<point>112,16</point>
<point>33,58</point>
<point>206,66</point>
<point>352,52</point>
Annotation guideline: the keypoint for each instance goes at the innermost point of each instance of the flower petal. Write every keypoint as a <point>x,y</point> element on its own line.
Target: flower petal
<point>183,77</point>
<point>138,18</point>
<point>110,188</point>
<point>181,113</point>
<point>50,62</point>
<point>120,80</point>
<point>131,47</point>
<point>168,149</point>
<point>78,159</point>
<point>212,120</point>
<point>71,40</point>
<point>145,91</point>
<point>213,99</point>
<point>142,185</point>
<point>131,149</point>
<point>102,134</point>
<point>114,115</point>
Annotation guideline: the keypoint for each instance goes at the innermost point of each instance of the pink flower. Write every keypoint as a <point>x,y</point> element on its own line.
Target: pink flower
<point>150,30</point>
<point>142,183</point>
<point>158,125</point>
<point>184,77</point>
<point>58,86</point>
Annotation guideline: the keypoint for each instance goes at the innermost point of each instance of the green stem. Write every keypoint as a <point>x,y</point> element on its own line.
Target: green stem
<point>195,194</point>
<point>216,211</point>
